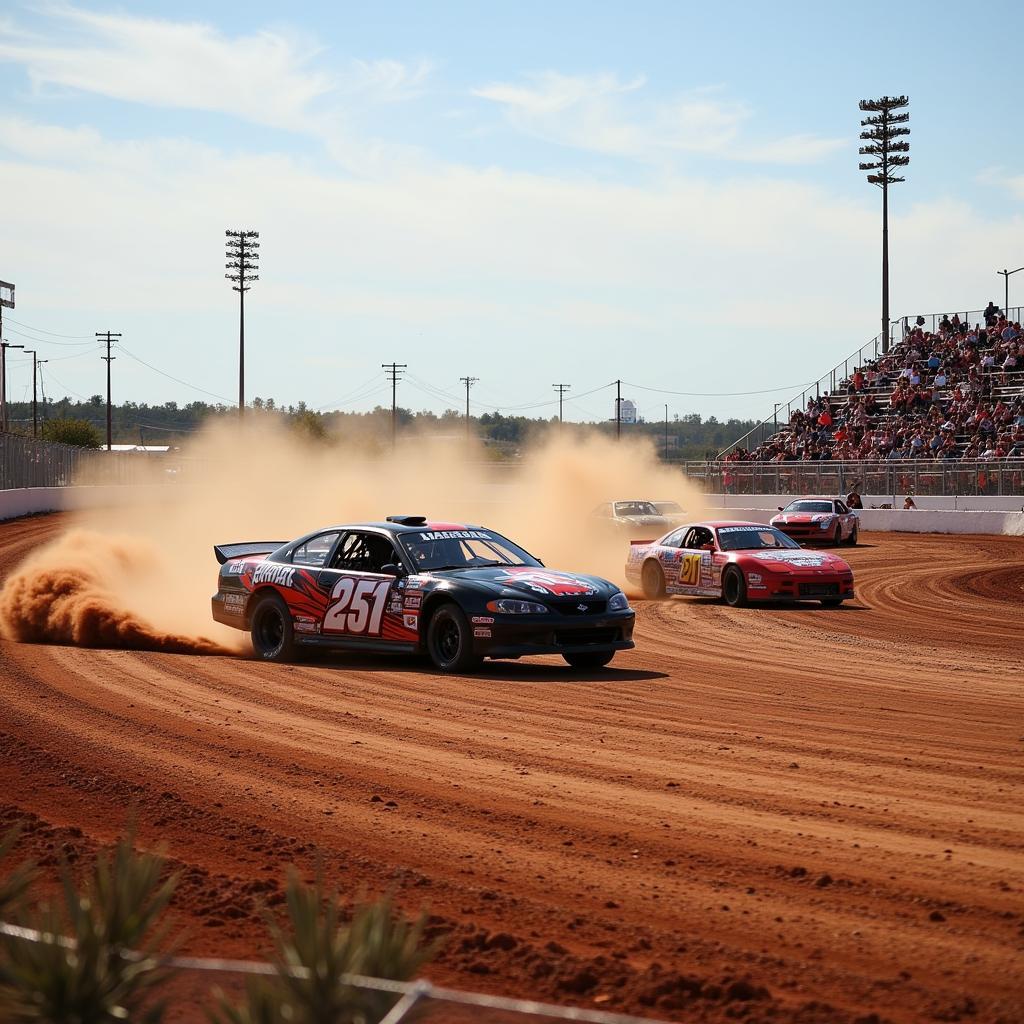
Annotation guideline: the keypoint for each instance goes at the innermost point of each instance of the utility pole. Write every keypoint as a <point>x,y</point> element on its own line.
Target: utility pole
<point>4,346</point>
<point>561,389</point>
<point>882,131</point>
<point>666,433</point>
<point>618,410</point>
<point>469,382</point>
<point>243,261</point>
<point>36,363</point>
<point>108,359</point>
<point>393,373</point>
<point>6,302</point>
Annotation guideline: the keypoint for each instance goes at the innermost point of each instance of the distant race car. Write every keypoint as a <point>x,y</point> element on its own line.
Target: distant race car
<point>738,562</point>
<point>457,593</point>
<point>634,517</point>
<point>818,521</point>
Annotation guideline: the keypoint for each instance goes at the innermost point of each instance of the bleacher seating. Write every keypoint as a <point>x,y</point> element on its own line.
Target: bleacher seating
<point>955,394</point>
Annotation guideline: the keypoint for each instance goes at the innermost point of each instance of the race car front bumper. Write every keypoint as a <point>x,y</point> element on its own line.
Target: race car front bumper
<point>515,636</point>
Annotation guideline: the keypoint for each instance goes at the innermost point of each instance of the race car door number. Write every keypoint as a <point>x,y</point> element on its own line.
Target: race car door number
<point>358,606</point>
<point>689,572</point>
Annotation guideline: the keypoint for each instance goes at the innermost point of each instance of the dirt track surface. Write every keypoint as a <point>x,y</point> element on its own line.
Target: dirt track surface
<point>790,815</point>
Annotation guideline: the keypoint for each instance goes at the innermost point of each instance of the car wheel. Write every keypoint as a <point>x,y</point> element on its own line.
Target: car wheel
<point>450,641</point>
<point>831,602</point>
<point>270,627</point>
<point>837,535</point>
<point>734,587</point>
<point>589,659</point>
<point>652,581</point>
<point>853,537</point>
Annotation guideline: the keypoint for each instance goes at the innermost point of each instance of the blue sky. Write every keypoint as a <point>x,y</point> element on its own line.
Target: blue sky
<point>526,193</point>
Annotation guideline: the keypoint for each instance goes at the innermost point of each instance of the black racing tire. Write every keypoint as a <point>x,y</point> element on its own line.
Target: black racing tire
<point>450,640</point>
<point>270,626</point>
<point>652,580</point>
<point>831,602</point>
<point>837,535</point>
<point>589,659</point>
<point>853,536</point>
<point>734,587</point>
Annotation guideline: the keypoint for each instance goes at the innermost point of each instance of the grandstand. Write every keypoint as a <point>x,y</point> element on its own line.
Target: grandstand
<point>950,390</point>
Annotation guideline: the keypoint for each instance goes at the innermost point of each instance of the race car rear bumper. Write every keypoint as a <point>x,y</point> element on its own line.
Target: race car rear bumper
<point>552,635</point>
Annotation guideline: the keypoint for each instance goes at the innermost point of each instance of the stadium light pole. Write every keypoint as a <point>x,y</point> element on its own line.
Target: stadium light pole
<point>4,346</point>
<point>1007,274</point>
<point>884,132</point>
<point>242,262</point>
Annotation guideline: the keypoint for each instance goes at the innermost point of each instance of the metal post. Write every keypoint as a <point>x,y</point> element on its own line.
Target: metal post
<point>618,410</point>
<point>4,346</point>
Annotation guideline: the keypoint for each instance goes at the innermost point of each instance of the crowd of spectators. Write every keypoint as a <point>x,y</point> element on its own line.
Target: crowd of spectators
<point>953,394</point>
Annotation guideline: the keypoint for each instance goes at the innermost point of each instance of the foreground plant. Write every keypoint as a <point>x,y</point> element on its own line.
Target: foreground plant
<point>80,973</point>
<point>315,953</point>
<point>13,885</point>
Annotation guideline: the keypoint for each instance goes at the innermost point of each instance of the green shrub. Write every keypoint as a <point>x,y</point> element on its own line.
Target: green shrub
<point>83,977</point>
<point>317,950</point>
<point>80,433</point>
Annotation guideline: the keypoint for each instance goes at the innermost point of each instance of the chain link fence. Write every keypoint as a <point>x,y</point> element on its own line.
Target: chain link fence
<point>920,477</point>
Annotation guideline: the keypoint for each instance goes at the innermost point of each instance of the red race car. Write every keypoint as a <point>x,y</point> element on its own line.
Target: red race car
<point>739,562</point>
<point>817,521</point>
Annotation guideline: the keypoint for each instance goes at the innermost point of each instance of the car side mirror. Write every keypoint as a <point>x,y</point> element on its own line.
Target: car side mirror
<point>780,508</point>
<point>392,569</point>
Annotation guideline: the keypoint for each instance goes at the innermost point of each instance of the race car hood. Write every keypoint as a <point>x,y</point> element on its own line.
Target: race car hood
<point>534,582</point>
<point>655,522</point>
<point>802,517</point>
<point>793,559</point>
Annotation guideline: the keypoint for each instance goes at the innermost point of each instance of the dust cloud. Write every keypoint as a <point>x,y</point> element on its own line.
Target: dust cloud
<point>141,574</point>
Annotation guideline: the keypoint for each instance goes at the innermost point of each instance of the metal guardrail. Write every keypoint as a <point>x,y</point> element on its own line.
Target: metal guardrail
<point>899,328</point>
<point>898,478</point>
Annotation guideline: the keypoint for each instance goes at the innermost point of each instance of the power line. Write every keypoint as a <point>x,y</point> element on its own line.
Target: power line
<point>177,380</point>
<point>39,330</point>
<point>32,336</point>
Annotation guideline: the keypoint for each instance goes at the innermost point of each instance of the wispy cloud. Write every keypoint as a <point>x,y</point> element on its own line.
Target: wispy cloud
<point>266,77</point>
<point>604,114</point>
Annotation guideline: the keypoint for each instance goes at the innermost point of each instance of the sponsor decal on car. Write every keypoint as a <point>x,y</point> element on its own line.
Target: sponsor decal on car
<point>306,624</point>
<point>412,600</point>
<point>236,568</point>
<point>235,602</point>
<point>411,621</point>
<point>799,558</point>
<point>483,620</point>
<point>455,535</point>
<point>482,632</point>
<point>268,572</point>
<point>542,581</point>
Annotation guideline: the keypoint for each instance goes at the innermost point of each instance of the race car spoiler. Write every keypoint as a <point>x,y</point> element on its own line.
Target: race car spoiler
<point>224,552</point>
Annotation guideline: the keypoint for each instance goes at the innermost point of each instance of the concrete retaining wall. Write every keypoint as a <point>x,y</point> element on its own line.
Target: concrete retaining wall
<point>25,501</point>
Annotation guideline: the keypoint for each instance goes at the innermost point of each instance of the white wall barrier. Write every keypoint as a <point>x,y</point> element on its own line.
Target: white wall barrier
<point>900,521</point>
<point>24,501</point>
<point>957,502</point>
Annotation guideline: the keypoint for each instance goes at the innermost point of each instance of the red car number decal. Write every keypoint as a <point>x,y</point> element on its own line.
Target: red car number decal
<point>357,606</point>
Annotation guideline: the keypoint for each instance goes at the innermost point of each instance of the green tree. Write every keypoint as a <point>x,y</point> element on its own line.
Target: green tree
<point>80,433</point>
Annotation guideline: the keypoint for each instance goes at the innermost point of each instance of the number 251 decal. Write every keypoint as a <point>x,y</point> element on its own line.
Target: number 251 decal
<point>358,606</point>
<point>690,574</point>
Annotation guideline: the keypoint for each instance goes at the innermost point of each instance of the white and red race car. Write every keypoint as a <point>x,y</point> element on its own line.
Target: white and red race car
<point>818,521</point>
<point>738,562</point>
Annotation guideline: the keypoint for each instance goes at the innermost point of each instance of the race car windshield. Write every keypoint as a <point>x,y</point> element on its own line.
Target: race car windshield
<point>809,506</point>
<point>635,508</point>
<point>462,549</point>
<point>750,538</point>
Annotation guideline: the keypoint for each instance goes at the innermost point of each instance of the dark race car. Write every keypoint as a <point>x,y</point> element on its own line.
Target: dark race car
<point>738,562</point>
<point>457,593</point>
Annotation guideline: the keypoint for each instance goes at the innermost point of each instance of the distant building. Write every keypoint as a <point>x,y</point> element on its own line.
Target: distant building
<point>627,411</point>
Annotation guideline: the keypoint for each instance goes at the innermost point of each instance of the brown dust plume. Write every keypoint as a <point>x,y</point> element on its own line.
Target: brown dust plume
<point>140,573</point>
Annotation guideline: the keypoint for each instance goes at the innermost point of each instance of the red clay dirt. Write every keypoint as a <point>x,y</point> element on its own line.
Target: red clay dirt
<point>787,815</point>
